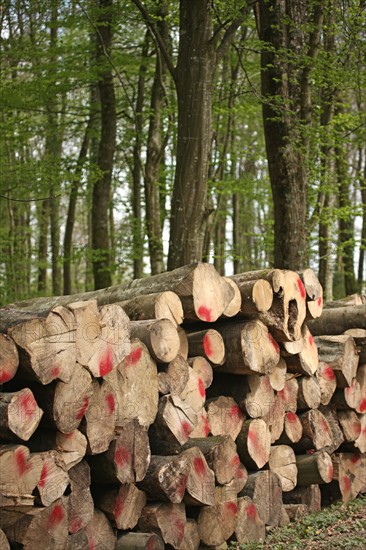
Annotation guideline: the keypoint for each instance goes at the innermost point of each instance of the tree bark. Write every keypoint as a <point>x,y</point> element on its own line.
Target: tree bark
<point>287,102</point>
<point>102,187</point>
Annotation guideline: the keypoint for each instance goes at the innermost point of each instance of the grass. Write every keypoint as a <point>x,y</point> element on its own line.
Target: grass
<point>338,526</point>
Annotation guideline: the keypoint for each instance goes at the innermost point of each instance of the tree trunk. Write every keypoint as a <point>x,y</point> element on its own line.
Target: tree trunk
<point>102,187</point>
<point>137,234</point>
<point>287,102</point>
<point>194,77</point>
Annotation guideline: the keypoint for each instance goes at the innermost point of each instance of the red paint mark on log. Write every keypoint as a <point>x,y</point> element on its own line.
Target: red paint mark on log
<point>22,463</point>
<point>324,424</point>
<point>281,393</point>
<point>121,456</point>
<point>291,417</point>
<point>151,543</point>
<point>363,405</point>
<point>44,475</point>
<point>320,301</point>
<point>56,516</point>
<point>357,428</point>
<point>364,430</point>
<point>346,482</point>
<point>330,473</point>
<point>118,507</point>
<point>231,507</point>
<point>55,372</point>
<point>201,387</point>
<point>300,284</point>
<point>5,376</point>
<point>133,358</point>
<point>207,345</point>
<point>199,466</point>
<point>106,364</point>
<point>251,511</point>
<point>75,525</point>
<point>235,413</point>
<point>186,428</point>
<point>206,425</point>
<point>80,413</point>
<point>28,405</point>
<point>111,403</point>
<point>91,543</point>
<point>240,472</point>
<point>204,314</point>
<point>274,343</point>
<point>311,340</point>
<point>235,461</point>
<point>328,373</point>
<point>179,525</point>
<point>355,459</point>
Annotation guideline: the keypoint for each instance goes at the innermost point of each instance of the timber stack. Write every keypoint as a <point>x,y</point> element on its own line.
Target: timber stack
<point>184,410</point>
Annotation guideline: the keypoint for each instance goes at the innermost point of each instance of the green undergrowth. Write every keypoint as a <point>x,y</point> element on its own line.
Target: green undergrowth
<point>337,526</point>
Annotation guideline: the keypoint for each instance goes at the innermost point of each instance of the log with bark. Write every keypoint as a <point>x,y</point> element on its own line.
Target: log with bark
<point>288,310</point>
<point>54,478</point>
<point>314,468</point>
<point>309,495</point>
<point>327,382</point>
<point>127,458</point>
<point>306,361</point>
<point>123,505</point>
<point>160,336</point>
<point>340,353</point>
<point>135,385</point>
<point>100,532</point>
<point>250,348</point>
<point>282,462</point>
<point>175,420</point>
<point>250,527</point>
<point>19,415</point>
<point>20,471</point>
<point>207,343</point>
<point>217,523</point>
<point>161,305</point>
<point>80,504</point>
<point>166,520</point>
<point>204,293</point>
<point>254,443</point>
<point>338,320</point>
<point>264,488</point>
<point>224,416</point>
<point>9,358</point>
<point>46,346</point>
<point>36,527</point>
<point>102,336</point>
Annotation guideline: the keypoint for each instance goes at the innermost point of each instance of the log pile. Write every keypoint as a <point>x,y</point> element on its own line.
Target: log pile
<point>183,409</point>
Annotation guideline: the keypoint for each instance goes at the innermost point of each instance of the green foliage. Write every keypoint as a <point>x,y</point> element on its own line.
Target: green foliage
<point>339,526</point>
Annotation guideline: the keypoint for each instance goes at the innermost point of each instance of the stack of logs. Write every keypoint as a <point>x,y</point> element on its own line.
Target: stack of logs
<point>184,409</point>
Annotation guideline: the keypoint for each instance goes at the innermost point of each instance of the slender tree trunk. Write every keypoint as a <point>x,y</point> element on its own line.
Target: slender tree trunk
<point>154,154</point>
<point>53,151</point>
<point>43,224</point>
<point>361,276</point>
<point>70,219</point>
<point>102,187</point>
<point>346,222</point>
<point>326,196</point>
<point>138,237</point>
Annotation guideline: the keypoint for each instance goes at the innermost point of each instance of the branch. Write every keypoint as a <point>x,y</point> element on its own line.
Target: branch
<point>157,37</point>
<point>30,200</point>
<point>230,32</point>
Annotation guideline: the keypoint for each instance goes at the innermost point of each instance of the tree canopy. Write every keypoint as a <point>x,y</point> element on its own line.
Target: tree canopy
<point>141,135</point>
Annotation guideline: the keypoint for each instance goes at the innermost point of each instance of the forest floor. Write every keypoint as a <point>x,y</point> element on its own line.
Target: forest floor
<point>337,526</point>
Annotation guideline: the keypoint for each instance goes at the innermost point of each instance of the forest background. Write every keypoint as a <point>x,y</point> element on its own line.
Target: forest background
<point>138,136</point>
